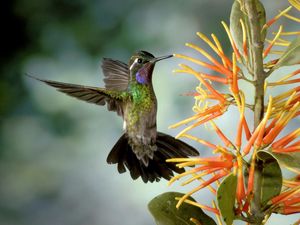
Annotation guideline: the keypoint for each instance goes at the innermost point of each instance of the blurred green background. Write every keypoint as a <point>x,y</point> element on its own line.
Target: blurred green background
<point>53,148</point>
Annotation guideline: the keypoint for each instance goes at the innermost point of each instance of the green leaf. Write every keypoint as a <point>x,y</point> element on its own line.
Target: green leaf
<point>271,176</point>
<point>291,56</point>
<point>288,159</point>
<point>226,198</point>
<point>163,209</point>
<point>236,27</point>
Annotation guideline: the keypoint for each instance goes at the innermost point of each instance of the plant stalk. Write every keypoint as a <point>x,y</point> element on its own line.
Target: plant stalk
<point>256,48</point>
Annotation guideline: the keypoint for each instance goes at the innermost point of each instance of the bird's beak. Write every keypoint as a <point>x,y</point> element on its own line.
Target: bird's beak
<point>160,58</point>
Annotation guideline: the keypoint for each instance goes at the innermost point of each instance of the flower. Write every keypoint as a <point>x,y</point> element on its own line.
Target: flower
<point>241,154</point>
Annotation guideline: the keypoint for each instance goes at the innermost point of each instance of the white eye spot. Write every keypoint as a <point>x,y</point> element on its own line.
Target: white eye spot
<point>136,61</point>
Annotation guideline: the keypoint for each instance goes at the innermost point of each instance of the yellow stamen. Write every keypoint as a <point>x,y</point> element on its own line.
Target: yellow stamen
<point>270,22</point>
<point>199,205</point>
<point>284,82</point>
<point>245,49</point>
<point>212,190</point>
<point>183,160</point>
<point>200,122</point>
<point>185,121</point>
<point>295,3</point>
<point>201,141</point>
<point>240,125</point>
<point>210,58</point>
<point>266,52</point>
<point>290,33</point>
<point>283,40</point>
<point>281,123</point>
<point>216,49</point>
<point>284,44</point>
<point>196,177</point>
<point>290,75</point>
<point>275,52</point>
<point>178,176</point>
<point>264,123</point>
<point>283,95</point>
<point>207,65</point>
<point>186,164</point>
<point>236,51</point>
<point>292,18</point>
<point>218,216</point>
<point>217,42</point>
<point>292,169</point>
<point>183,198</point>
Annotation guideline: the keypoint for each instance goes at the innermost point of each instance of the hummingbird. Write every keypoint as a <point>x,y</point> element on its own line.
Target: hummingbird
<point>129,92</point>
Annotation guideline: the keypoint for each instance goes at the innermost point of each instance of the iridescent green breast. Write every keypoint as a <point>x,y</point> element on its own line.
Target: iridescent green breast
<point>142,101</point>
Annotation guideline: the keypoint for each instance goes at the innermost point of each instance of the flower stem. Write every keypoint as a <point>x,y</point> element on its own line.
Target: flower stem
<point>256,49</point>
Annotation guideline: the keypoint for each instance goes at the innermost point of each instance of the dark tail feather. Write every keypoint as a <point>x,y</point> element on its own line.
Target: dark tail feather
<point>167,147</point>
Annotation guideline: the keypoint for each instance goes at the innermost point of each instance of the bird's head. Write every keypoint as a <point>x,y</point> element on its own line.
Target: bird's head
<point>141,66</point>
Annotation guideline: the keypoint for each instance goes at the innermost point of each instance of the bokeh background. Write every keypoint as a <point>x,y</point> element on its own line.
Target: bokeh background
<point>53,148</point>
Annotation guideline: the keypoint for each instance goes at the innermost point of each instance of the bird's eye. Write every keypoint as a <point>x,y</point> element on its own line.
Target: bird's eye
<point>139,61</point>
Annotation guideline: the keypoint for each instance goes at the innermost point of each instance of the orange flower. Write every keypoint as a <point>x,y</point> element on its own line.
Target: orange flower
<point>216,166</point>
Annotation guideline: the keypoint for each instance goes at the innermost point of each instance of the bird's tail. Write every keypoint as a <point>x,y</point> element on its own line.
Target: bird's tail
<point>167,147</point>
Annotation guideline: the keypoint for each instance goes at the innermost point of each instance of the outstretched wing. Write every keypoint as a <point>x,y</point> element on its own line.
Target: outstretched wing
<point>95,95</point>
<point>116,74</point>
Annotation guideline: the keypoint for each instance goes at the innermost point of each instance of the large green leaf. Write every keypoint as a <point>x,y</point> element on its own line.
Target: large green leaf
<point>271,176</point>
<point>288,159</point>
<point>163,209</point>
<point>235,25</point>
<point>226,198</point>
<point>291,56</point>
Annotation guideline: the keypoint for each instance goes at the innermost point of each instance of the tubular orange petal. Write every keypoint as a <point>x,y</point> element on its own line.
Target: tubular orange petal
<point>206,119</point>
<point>252,140</point>
<point>286,139</point>
<point>203,185</point>
<point>234,84</point>
<point>286,150</point>
<point>224,70</point>
<point>246,129</point>
<point>251,176</point>
<point>290,210</point>
<point>285,195</point>
<point>225,140</point>
<point>240,193</point>
<point>281,124</point>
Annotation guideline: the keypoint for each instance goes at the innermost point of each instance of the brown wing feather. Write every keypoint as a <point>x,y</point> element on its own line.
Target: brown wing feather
<point>98,96</point>
<point>116,74</point>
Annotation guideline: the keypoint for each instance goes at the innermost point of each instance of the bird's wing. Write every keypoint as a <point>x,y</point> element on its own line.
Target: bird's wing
<point>95,95</point>
<point>116,74</point>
